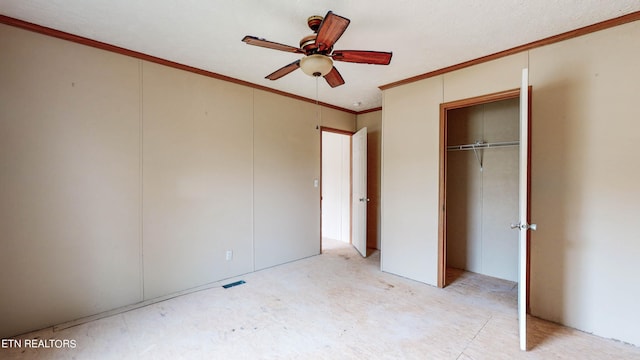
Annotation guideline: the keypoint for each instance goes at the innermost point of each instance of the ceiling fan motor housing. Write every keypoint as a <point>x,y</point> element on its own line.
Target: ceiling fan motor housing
<point>308,44</point>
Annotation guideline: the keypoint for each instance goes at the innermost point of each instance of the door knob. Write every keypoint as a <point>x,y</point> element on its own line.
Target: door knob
<point>365,199</point>
<point>525,226</point>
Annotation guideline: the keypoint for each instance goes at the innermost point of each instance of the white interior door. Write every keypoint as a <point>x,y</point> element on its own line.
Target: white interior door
<point>523,225</point>
<point>359,197</point>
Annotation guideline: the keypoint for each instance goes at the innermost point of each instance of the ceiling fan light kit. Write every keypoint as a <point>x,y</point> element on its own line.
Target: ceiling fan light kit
<point>316,65</point>
<point>318,50</point>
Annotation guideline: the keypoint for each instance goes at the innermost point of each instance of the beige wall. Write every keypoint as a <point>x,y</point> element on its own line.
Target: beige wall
<point>373,122</point>
<point>336,119</point>
<point>197,184</point>
<point>585,176</point>
<point>124,180</point>
<point>409,185</point>
<point>585,173</point>
<point>286,163</point>
<point>69,183</point>
<point>483,201</point>
<point>486,78</point>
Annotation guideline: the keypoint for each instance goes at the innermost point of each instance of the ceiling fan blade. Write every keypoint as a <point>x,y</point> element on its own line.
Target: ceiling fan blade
<point>362,56</point>
<point>334,78</point>
<point>283,71</point>
<point>252,40</point>
<point>331,28</point>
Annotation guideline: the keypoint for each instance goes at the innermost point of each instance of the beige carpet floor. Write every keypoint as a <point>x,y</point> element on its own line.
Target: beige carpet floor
<point>333,306</point>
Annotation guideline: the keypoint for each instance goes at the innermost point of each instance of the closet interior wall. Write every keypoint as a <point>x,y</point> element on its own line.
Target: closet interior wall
<point>482,190</point>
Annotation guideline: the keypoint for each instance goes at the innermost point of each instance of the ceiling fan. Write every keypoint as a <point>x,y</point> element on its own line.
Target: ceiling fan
<point>318,50</point>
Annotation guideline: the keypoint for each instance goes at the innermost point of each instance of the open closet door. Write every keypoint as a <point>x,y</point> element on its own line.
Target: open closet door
<point>523,207</point>
<point>359,197</point>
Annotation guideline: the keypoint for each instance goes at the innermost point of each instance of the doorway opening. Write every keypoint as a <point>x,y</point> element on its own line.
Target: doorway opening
<point>343,153</point>
<point>335,200</point>
<point>479,177</point>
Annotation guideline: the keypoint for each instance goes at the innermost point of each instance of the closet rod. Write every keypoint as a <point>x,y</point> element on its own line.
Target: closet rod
<point>482,145</point>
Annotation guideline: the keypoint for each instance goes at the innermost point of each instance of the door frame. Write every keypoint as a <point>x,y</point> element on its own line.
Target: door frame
<point>442,203</point>
<point>350,134</point>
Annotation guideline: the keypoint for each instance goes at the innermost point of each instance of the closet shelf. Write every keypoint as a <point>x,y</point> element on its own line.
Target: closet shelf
<point>482,145</point>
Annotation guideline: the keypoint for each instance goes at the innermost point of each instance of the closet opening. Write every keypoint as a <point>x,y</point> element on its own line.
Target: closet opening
<point>479,179</point>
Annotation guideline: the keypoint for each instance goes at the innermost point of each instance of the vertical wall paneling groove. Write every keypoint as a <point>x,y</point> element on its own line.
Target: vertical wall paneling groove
<point>141,155</point>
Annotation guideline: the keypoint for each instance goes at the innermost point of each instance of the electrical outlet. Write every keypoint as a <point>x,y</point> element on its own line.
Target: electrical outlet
<point>229,255</point>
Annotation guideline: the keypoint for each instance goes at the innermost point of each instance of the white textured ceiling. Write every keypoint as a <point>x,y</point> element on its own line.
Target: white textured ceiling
<point>424,35</point>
